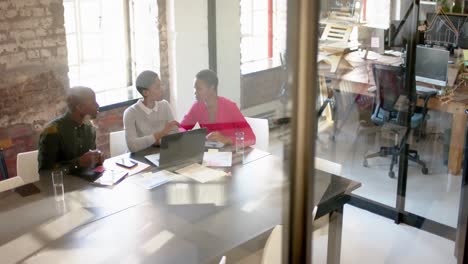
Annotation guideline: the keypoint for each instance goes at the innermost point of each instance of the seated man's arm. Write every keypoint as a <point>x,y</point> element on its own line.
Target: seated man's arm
<point>49,149</point>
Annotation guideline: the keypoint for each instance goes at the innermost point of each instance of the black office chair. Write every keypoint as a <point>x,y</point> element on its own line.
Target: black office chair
<point>390,112</point>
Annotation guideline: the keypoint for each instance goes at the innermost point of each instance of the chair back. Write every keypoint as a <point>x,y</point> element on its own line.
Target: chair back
<point>392,95</point>
<point>27,166</point>
<point>3,167</point>
<point>262,132</point>
<point>273,247</point>
<point>117,142</point>
<point>223,260</point>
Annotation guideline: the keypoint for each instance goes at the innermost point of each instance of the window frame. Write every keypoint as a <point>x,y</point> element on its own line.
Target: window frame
<point>271,60</point>
<point>130,64</point>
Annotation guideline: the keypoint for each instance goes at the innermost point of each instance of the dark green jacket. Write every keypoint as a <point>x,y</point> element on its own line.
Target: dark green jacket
<point>63,142</point>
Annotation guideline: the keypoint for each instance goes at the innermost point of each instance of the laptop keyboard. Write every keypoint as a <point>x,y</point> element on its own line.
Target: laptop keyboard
<point>425,89</point>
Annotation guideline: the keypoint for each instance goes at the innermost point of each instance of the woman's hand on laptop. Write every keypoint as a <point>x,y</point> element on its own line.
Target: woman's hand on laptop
<point>216,136</point>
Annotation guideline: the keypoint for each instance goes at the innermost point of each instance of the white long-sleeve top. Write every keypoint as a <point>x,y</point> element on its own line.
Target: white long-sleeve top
<point>141,122</point>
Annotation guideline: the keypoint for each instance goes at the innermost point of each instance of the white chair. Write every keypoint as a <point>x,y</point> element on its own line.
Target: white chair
<point>11,183</point>
<point>262,132</point>
<point>223,260</point>
<point>27,171</point>
<point>117,142</point>
<point>328,166</point>
<point>273,247</point>
<point>27,166</point>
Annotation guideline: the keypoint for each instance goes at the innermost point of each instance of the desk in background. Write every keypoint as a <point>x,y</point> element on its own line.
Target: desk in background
<point>359,79</point>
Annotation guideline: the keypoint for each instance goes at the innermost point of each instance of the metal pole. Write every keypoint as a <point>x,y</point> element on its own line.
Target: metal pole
<point>402,181</point>
<point>462,228</point>
<point>410,85</point>
<point>302,46</point>
<point>212,46</point>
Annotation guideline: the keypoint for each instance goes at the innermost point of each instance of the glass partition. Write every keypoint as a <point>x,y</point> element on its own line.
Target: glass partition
<point>328,131</point>
<point>391,116</point>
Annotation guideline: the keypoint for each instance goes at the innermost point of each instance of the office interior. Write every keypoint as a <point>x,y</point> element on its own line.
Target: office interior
<point>397,207</point>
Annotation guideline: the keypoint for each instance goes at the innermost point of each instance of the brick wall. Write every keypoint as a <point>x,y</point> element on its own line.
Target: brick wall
<point>163,47</point>
<point>33,74</point>
<point>33,71</point>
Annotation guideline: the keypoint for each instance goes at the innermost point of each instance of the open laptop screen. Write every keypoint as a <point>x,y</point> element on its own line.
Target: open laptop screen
<point>183,147</point>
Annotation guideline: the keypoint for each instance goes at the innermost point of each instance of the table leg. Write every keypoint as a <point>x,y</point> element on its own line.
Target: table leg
<point>335,227</point>
<point>457,141</point>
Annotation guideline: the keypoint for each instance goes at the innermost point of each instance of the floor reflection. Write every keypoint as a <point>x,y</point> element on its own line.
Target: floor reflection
<point>156,242</point>
<point>31,242</point>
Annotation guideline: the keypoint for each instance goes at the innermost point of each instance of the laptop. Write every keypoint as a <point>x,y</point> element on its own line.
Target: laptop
<point>431,68</point>
<point>181,148</point>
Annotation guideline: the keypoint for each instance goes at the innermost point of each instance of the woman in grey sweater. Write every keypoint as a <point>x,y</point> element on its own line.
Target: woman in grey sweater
<point>151,118</point>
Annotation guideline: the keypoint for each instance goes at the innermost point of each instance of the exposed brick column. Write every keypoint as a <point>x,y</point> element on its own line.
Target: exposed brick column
<point>163,47</point>
<point>33,71</point>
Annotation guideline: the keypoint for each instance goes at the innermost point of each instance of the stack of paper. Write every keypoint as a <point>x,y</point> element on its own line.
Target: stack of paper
<point>201,173</point>
<point>217,159</point>
<point>150,180</point>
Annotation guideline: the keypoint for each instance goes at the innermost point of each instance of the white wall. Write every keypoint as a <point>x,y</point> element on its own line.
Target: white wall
<point>188,49</point>
<point>378,14</point>
<point>228,49</point>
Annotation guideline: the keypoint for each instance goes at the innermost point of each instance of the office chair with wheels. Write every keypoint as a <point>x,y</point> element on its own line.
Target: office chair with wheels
<point>327,94</point>
<point>390,112</point>
<point>3,167</point>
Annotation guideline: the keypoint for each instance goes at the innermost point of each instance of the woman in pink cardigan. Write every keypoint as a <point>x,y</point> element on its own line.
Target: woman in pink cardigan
<point>218,114</point>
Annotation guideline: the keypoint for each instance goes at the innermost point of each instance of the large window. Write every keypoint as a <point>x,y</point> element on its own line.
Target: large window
<point>263,30</point>
<point>103,37</point>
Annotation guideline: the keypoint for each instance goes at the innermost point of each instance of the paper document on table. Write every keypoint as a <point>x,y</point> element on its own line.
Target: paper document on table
<point>201,173</point>
<point>110,164</point>
<point>111,177</point>
<point>150,180</point>
<point>217,159</point>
